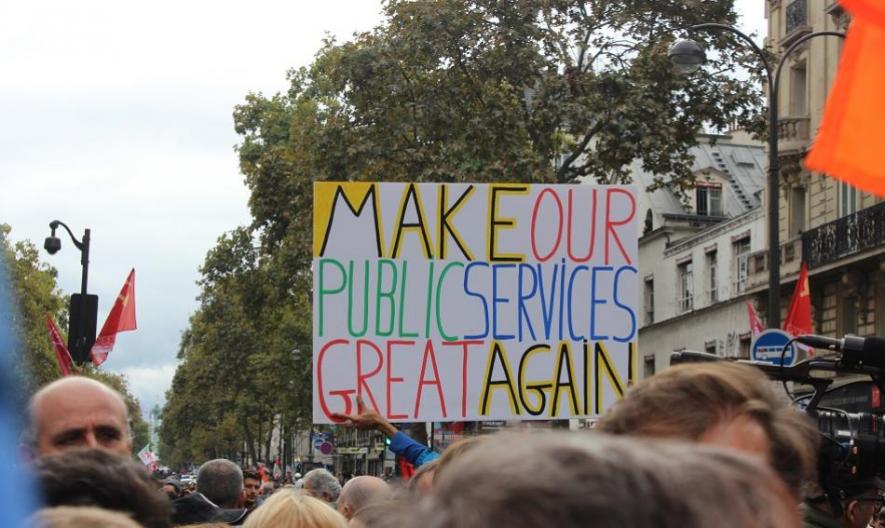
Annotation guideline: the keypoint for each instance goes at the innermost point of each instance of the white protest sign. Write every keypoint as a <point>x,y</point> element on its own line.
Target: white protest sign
<point>452,302</point>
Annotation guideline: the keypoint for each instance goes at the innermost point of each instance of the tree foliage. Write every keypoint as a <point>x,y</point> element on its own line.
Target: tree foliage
<point>242,372</point>
<point>37,295</point>
<point>445,91</point>
<point>484,90</point>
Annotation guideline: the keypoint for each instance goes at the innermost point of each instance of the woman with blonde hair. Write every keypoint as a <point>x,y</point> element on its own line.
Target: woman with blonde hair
<point>290,508</point>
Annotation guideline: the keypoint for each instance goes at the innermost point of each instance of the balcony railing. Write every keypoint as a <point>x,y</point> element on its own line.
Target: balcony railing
<point>793,128</point>
<point>797,16</point>
<point>844,237</point>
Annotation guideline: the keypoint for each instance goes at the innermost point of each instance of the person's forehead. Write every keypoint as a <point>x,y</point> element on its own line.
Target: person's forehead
<point>59,414</point>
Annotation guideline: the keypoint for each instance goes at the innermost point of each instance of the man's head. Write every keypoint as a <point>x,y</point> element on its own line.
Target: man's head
<point>567,480</point>
<point>172,488</point>
<point>422,480</point>
<point>252,488</point>
<point>78,412</point>
<point>360,491</point>
<point>221,481</point>
<point>845,497</point>
<point>860,510</point>
<point>725,404</point>
<point>268,488</point>
<point>322,485</point>
<point>95,477</point>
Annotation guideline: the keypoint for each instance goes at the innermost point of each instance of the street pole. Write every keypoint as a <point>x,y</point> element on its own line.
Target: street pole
<point>84,263</point>
<point>53,245</point>
<point>774,297</point>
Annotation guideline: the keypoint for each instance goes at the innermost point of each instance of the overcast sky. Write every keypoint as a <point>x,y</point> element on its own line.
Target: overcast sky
<point>117,116</point>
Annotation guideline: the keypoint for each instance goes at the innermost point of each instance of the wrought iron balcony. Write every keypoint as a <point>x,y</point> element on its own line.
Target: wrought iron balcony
<point>797,16</point>
<point>849,235</point>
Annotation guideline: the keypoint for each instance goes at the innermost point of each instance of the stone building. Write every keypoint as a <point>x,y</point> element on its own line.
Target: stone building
<point>694,253</point>
<point>838,231</point>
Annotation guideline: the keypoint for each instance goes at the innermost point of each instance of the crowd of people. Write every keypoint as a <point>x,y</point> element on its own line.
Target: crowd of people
<point>696,446</point>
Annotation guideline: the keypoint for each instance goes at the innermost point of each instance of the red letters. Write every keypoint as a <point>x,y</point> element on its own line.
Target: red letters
<point>592,230</point>
<point>428,352</point>
<point>611,224</point>
<point>391,380</point>
<point>464,346</point>
<point>360,377</point>
<point>555,247</point>
<point>345,394</point>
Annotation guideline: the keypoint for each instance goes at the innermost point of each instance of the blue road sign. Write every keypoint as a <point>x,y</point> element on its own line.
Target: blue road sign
<point>769,346</point>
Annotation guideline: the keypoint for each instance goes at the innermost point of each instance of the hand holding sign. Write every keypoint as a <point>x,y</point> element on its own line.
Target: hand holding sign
<point>366,418</point>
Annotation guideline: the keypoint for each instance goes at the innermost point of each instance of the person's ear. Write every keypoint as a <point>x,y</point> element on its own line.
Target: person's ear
<point>851,510</point>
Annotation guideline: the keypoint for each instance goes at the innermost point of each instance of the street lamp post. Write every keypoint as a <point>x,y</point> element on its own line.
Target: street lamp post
<point>84,306</point>
<point>687,57</point>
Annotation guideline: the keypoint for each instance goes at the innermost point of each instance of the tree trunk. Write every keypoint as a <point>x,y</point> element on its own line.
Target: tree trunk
<point>280,440</point>
<point>250,441</point>
<point>268,441</point>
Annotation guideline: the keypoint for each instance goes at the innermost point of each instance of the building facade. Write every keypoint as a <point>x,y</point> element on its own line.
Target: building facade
<point>837,230</point>
<point>694,254</point>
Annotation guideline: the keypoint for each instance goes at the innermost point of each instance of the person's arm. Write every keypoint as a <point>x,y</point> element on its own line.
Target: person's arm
<point>400,443</point>
<point>414,452</point>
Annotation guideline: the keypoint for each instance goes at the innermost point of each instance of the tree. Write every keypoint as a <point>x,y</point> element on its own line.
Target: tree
<point>38,295</point>
<point>483,90</point>
<point>238,380</point>
<point>443,90</point>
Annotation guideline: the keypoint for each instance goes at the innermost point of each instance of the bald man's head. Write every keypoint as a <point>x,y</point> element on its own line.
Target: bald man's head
<point>78,412</point>
<point>360,491</point>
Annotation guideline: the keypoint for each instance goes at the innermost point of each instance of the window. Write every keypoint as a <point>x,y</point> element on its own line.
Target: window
<point>649,300</point>
<point>712,280</point>
<point>745,346</point>
<point>710,347</point>
<point>797,211</point>
<point>648,367</point>
<point>708,198</point>
<point>740,265</point>
<point>798,91</point>
<point>685,299</point>
<point>847,199</point>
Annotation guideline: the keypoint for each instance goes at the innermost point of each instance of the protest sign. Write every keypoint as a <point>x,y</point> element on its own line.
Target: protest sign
<point>452,302</point>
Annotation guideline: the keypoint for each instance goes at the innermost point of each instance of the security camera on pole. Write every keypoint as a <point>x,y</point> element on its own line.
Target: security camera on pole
<point>83,311</point>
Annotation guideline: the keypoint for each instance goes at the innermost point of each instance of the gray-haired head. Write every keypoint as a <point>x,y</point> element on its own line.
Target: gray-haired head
<point>593,480</point>
<point>359,492</point>
<point>221,481</point>
<point>322,485</point>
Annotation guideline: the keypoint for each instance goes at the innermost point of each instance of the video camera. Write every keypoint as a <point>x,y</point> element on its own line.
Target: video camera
<point>852,429</point>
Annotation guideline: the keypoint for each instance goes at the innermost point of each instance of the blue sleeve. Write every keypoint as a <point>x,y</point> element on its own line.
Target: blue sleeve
<point>414,452</point>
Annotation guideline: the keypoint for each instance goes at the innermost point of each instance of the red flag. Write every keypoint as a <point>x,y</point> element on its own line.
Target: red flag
<point>406,469</point>
<point>799,317</point>
<point>120,319</point>
<point>61,350</point>
<point>756,327</point>
<point>850,139</point>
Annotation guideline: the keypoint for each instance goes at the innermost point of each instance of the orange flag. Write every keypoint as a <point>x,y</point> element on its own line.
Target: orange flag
<point>61,350</point>
<point>799,317</point>
<point>852,133</point>
<point>120,319</point>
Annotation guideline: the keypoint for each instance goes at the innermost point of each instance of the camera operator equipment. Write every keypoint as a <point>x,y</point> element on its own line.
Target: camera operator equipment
<point>851,460</point>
